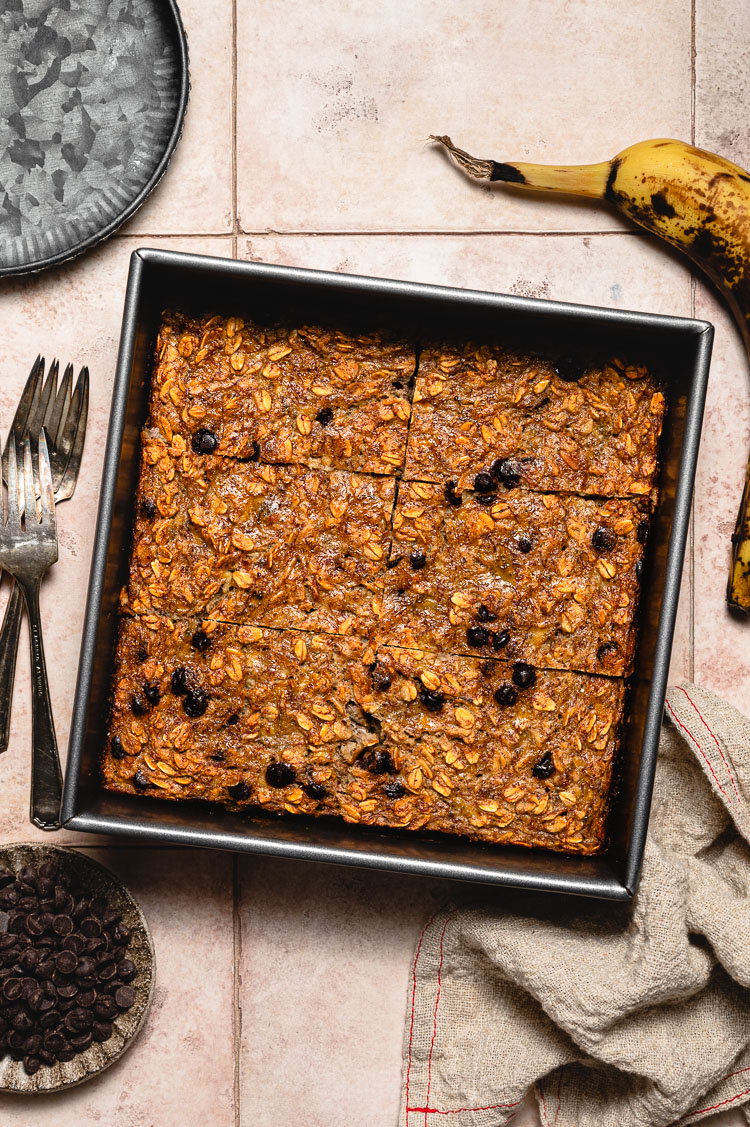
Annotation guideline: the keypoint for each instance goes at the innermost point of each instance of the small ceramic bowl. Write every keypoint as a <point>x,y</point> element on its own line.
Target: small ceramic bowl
<point>98,1056</point>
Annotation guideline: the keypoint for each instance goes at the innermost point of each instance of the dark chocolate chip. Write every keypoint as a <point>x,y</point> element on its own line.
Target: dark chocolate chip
<point>606,648</point>
<point>142,655</point>
<point>603,539</point>
<point>138,706</point>
<point>505,696</point>
<point>200,641</point>
<point>233,719</point>
<point>377,761</point>
<point>454,499</point>
<point>316,791</point>
<point>486,498</point>
<point>180,681</point>
<point>394,790</point>
<point>204,441</point>
<point>417,559</point>
<point>638,569</point>
<point>66,962</point>
<point>506,471</point>
<point>477,636</point>
<point>324,416</point>
<point>90,927</point>
<point>483,483</point>
<point>116,749</point>
<point>432,699</point>
<point>148,508</point>
<point>484,614</point>
<point>524,675</point>
<point>102,1031</point>
<point>152,692</point>
<point>254,455</point>
<point>500,639</point>
<point>641,531</point>
<point>279,775</point>
<point>81,1041</point>
<point>195,703</point>
<point>62,925</point>
<point>239,791</point>
<point>124,997</point>
<point>544,767</point>
<point>569,369</point>
<point>394,562</point>
<point>105,1008</point>
<point>140,781</point>
<point>524,545</point>
<point>31,1064</point>
<point>381,682</point>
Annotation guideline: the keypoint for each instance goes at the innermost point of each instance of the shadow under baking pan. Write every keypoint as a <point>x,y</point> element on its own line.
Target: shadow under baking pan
<point>676,349</point>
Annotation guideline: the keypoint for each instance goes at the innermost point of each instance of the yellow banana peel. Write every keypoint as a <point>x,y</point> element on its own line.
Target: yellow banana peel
<point>695,200</point>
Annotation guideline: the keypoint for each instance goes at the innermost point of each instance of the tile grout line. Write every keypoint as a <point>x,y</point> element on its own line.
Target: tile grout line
<point>237,233</point>
<point>237,1022</point>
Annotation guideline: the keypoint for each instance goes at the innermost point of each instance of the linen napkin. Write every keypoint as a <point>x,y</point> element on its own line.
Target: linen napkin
<point>617,1015</point>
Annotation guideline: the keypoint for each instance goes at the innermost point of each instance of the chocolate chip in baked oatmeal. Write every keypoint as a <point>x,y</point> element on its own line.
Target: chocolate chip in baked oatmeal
<point>454,499</point>
<point>324,416</point>
<point>477,636</point>
<point>506,471</point>
<point>140,780</point>
<point>500,639</point>
<point>200,641</point>
<point>432,699</point>
<point>486,498</point>
<point>180,681</point>
<point>524,675</point>
<point>505,696</point>
<point>417,559</point>
<point>254,455</point>
<point>524,545</point>
<point>280,775</point>
<point>484,614</point>
<point>603,539</point>
<point>544,767</point>
<point>605,649</point>
<point>376,761</point>
<point>195,703</point>
<point>138,706</point>
<point>569,369</point>
<point>204,441</point>
<point>394,790</point>
<point>148,508</point>
<point>641,531</point>
<point>116,749</point>
<point>152,692</point>
<point>638,569</point>
<point>315,791</point>
<point>239,791</point>
<point>483,482</point>
<point>142,655</point>
<point>233,718</point>
<point>381,682</point>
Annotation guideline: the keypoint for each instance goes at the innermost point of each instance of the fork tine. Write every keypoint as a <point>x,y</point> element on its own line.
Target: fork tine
<point>29,396</point>
<point>58,408</point>
<point>14,516</point>
<point>44,472</point>
<point>36,418</point>
<point>29,494</point>
<point>75,433</point>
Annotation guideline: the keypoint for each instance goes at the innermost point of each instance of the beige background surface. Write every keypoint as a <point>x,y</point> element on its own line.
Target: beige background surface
<point>281,987</point>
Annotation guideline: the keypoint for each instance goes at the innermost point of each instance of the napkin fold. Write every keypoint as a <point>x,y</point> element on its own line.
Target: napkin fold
<point>617,1015</point>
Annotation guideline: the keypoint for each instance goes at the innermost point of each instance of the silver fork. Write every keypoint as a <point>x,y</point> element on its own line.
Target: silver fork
<point>27,550</point>
<point>63,415</point>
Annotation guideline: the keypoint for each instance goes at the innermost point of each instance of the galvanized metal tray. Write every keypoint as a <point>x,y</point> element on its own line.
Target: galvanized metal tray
<point>679,349</point>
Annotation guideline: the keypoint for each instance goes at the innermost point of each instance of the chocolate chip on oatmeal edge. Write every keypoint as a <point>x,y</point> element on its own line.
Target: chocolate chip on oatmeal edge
<point>394,790</point>
<point>116,749</point>
<point>279,775</point>
<point>148,508</point>
<point>377,761</point>
<point>204,441</point>
<point>239,791</point>
<point>315,791</point>
<point>138,706</point>
<point>152,692</point>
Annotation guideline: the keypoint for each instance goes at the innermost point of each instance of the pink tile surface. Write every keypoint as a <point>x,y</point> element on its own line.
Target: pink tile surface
<point>722,79</point>
<point>73,313</point>
<point>325,964</point>
<point>179,1072</point>
<point>195,195</point>
<point>334,111</point>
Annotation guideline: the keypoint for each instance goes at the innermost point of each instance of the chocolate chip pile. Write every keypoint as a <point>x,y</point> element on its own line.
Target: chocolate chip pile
<point>64,976</point>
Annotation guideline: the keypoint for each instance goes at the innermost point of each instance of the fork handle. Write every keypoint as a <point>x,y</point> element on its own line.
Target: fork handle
<point>9,635</point>
<point>46,776</point>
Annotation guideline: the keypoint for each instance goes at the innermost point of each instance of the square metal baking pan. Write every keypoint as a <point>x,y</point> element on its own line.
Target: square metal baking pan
<point>678,349</point>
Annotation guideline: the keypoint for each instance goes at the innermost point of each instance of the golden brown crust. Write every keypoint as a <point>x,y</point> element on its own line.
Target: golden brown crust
<point>549,578</point>
<point>476,405</point>
<point>398,738</point>
<point>281,546</point>
<point>284,394</point>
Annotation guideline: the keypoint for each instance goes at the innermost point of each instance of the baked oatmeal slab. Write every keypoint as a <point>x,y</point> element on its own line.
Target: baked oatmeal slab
<point>482,410</point>
<point>302,723</point>
<point>282,546</point>
<point>300,394</point>
<point>550,578</point>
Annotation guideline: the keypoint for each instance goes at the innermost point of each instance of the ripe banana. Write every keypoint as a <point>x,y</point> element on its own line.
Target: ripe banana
<point>698,202</point>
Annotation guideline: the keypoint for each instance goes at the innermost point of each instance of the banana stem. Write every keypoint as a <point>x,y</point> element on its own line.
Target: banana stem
<point>574,179</point>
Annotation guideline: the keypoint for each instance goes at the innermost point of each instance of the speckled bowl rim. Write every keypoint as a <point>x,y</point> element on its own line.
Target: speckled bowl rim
<point>168,8</point>
<point>100,1055</point>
